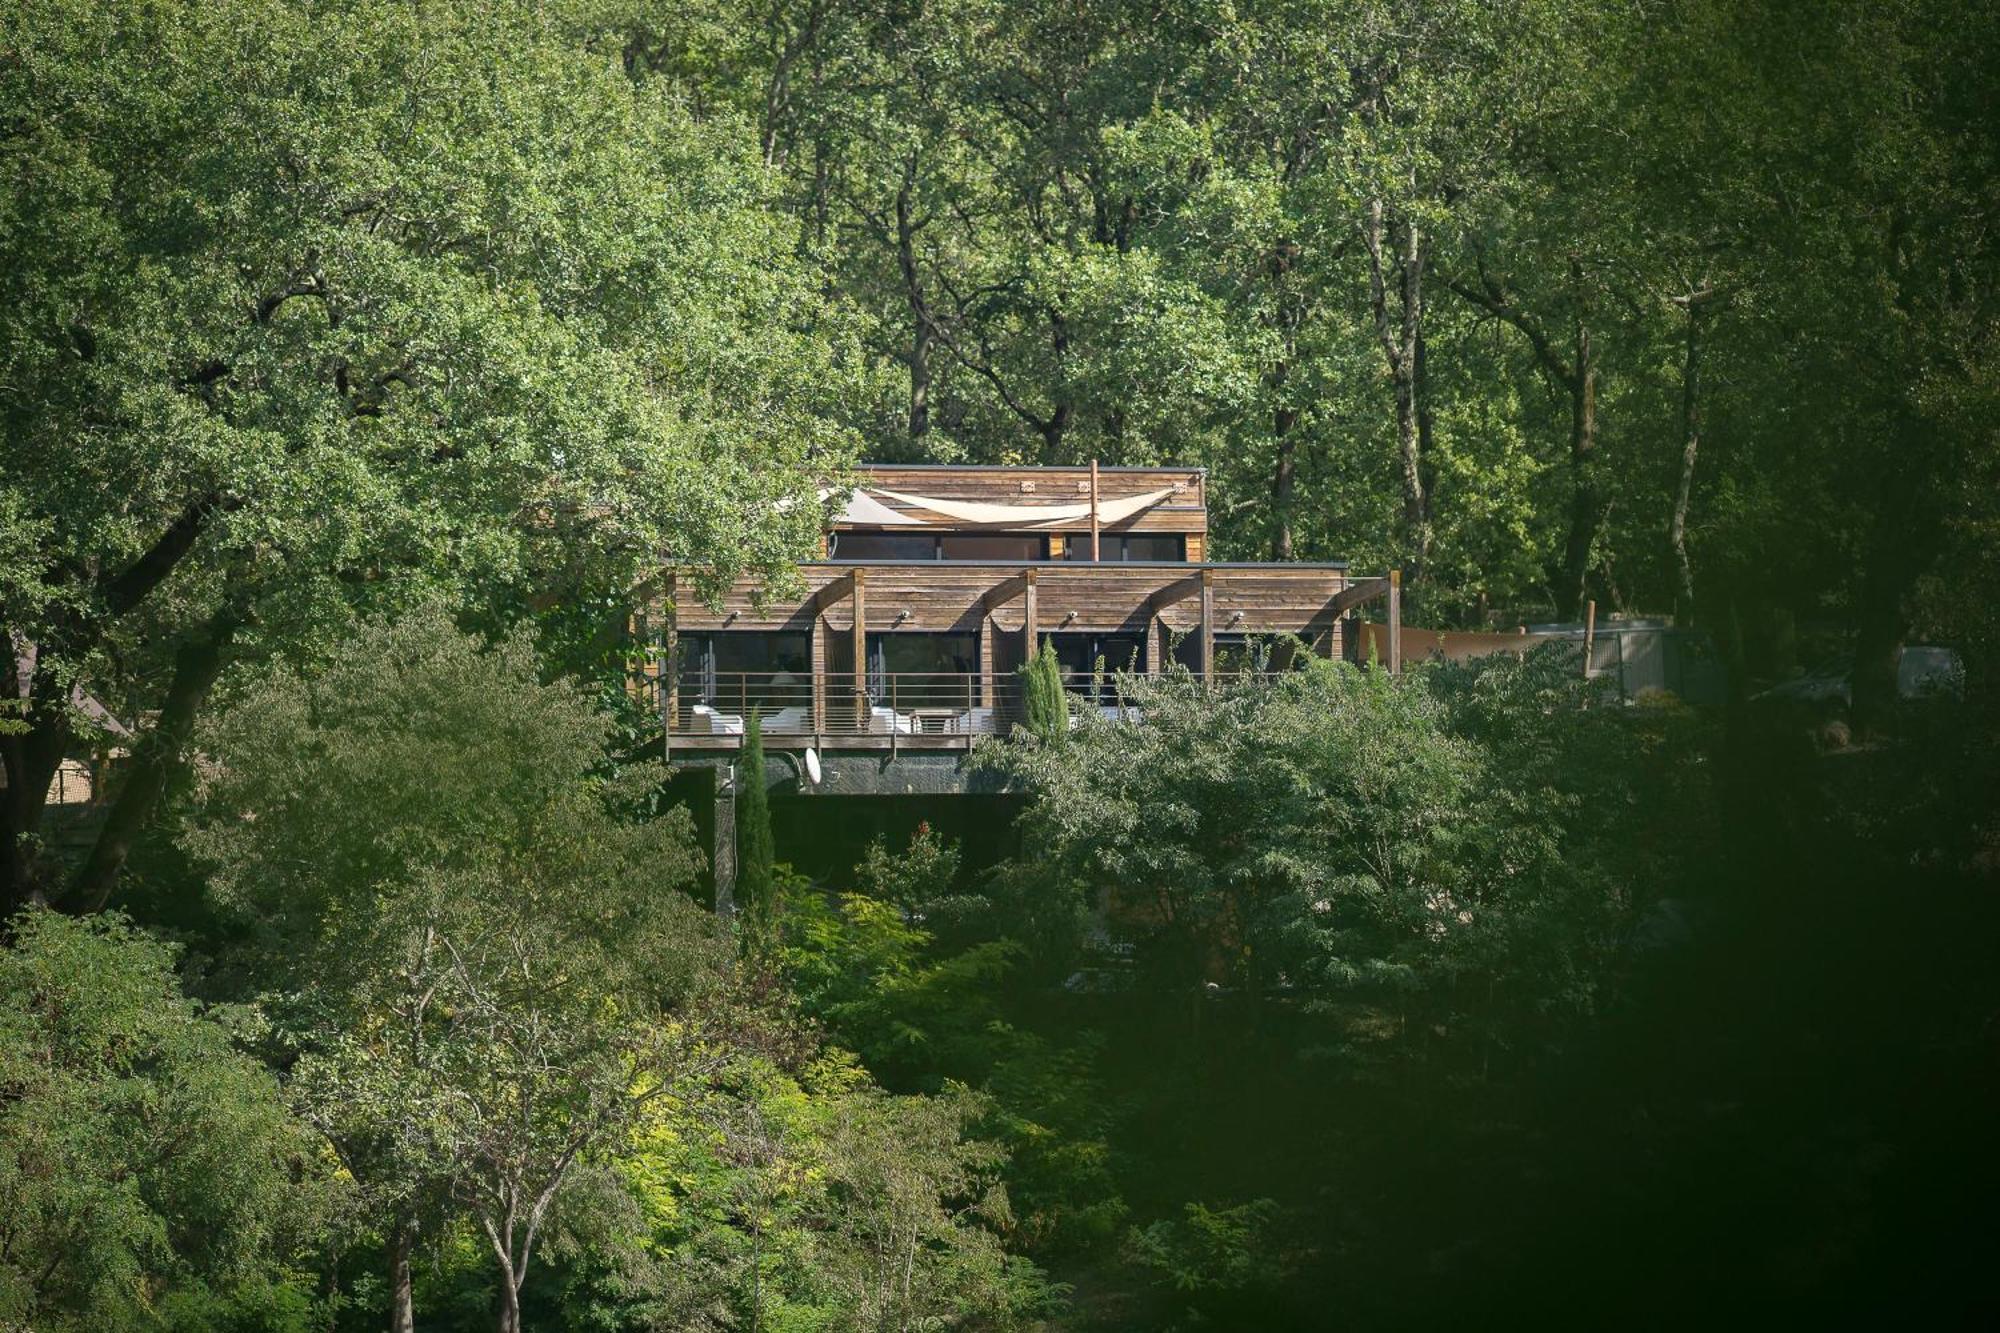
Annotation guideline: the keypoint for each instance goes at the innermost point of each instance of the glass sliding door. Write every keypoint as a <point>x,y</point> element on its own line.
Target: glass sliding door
<point>730,674</point>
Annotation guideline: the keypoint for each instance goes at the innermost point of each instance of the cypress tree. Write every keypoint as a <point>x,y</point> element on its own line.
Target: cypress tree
<point>1045,701</point>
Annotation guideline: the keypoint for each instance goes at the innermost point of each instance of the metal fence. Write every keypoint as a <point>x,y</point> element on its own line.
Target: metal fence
<point>721,703</point>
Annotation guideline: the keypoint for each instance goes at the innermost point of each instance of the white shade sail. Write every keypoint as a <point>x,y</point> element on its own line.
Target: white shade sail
<point>864,508</point>
<point>1032,516</point>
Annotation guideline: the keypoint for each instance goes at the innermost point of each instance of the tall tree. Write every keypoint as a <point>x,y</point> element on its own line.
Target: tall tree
<point>487,962</point>
<point>305,308</point>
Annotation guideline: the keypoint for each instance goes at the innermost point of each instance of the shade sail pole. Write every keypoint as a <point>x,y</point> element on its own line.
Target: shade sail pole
<point>1095,552</point>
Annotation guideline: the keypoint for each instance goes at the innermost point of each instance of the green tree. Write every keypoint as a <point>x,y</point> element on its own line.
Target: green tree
<point>1338,831</point>
<point>147,1166</point>
<point>1044,700</point>
<point>308,310</point>
<point>490,957</point>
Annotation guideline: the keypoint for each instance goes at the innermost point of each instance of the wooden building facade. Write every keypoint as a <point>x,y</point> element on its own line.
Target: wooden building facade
<point>936,582</point>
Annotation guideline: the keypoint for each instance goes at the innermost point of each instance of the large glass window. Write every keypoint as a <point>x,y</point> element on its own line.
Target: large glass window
<point>1241,654</point>
<point>736,671</point>
<point>939,546</point>
<point>884,546</point>
<point>1169,546</point>
<point>993,546</point>
<point>1089,660</point>
<point>911,670</point>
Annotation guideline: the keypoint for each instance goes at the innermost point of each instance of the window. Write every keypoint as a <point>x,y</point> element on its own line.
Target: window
<point>938,546</point>
<point>1085,655</point>
<point>883,546</point>
<point>736,671</point>
<point>1128,546</point>
<point>914,669</point>
<point>1241,654</point>
<point>993,546</point>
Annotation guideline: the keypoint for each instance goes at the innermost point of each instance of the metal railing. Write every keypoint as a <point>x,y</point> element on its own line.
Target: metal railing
<point>721,703</point>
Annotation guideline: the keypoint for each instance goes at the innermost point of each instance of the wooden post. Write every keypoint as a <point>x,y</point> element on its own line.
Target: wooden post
<point>986,695</point>
<point>722,853</point>
<point>1031,625</point>
<point>1155,641</point>
<point>1589,635</point>
<point>1207,623</point>
<point>818,670</point>
<point>860,632</point>
<point>1095,552</point>
<point>1395,621</point>
<point>670,667</point>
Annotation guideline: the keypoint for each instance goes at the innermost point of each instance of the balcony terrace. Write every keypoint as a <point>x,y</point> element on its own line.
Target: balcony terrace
<point>923,654</point>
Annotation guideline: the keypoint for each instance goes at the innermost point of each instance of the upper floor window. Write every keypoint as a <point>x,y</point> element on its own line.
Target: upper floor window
<point>938,546</point>
<point>993,546</point>
<point>883,546</point>
<point>1170,546</point>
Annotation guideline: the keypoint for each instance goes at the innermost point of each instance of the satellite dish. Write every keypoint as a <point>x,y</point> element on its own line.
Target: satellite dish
<point>812,766</point>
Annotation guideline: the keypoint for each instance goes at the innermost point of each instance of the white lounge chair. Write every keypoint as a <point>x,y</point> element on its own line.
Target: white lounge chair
<point>788,719</point>
<point>706,719</point>
<point>889,722</point>
<point>973,722</point>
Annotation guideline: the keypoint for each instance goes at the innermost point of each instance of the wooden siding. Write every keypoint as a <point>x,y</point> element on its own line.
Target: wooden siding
<point>947,595</point>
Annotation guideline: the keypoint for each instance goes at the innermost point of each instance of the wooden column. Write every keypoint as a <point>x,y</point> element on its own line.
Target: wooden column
<point>986,683</point>
<point>818,669</point>
<point>1155,641</point>
<point>1207,623</point>
<point>670,669</point>
<point>1095,552</point>
<point>860,632</point>
<point>722,854</point>
<point>1589,634</point>
<point>1336,635</point>
<point>1031,624</point>
<point>1395,621</point>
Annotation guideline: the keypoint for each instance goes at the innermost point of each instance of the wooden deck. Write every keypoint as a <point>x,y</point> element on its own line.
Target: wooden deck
<point>1176,612</point>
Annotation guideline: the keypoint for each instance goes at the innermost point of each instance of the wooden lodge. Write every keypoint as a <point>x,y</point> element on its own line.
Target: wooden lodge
<point>934,582</point>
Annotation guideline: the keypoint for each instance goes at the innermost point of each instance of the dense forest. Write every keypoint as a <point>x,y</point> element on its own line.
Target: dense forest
<point>362,364</point>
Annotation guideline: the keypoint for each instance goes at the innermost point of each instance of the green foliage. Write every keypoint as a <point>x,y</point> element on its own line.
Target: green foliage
<point>1209,1250</point>
<point>1341,831</point>
<point>1044,701</point>
<point>150,1174</point>
<point>314,311</point>
<point>487,958</point>
<point>922,1014</point>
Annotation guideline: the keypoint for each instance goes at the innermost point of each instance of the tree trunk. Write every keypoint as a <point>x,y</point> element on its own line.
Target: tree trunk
<point>510,1308</point>
<point>920,381</point>
<point>402,1316</point>
<point>1402,349</point>
<point>1583,515</point>
<point>196,666</point>
<point>31,760</point>
<point>1690,447</point>
<point>1410,408</point>
<point>907,228</point>
<point>1284,476</point>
